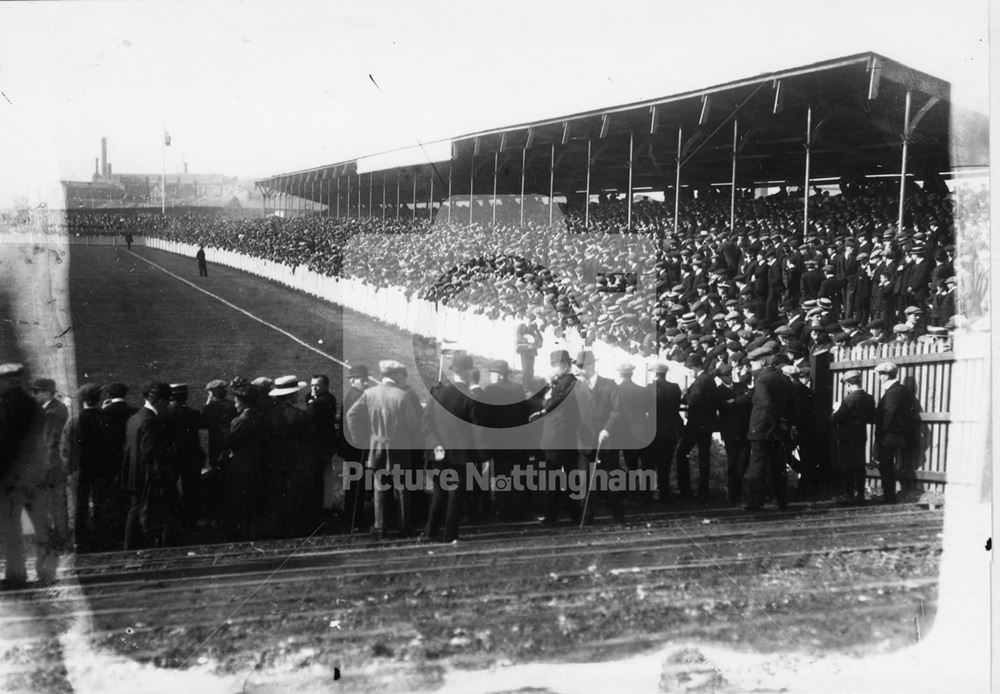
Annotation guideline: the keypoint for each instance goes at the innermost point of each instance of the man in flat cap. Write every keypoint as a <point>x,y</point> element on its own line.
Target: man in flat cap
<point>447,424</point>
<point>895,416</point>
<point>851,418</point>
<point>323,441</point>
<point>92,462</point>
<point>22,480</point>
<point>770,418</point>
<point>149,473</point>
<point>560,416</point>
<point>503,408</point>
<point>183,426</point>
<point>217,414</point>
<point>385,419</point>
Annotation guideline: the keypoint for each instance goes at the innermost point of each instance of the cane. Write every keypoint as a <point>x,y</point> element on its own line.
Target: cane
<point>590,483</point>
<point>354,511</point>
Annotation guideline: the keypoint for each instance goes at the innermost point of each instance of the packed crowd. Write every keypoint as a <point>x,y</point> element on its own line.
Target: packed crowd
<point>107,473</point>
<point>639,290</point>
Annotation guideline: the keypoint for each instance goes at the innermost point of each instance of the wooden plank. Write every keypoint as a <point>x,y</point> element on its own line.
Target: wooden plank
<point>918,475</point>
<point>901,360</point>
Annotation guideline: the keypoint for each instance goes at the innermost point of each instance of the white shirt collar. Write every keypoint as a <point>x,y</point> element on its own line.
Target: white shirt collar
<point>151,408</point>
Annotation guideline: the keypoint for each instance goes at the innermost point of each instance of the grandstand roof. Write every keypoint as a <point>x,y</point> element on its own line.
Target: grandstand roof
<point>857,102</point>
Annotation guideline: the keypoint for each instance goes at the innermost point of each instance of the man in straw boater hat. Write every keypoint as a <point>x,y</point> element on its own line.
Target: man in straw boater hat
<point>385,419</point>
<point>851,417</point>
<point>295,511</point>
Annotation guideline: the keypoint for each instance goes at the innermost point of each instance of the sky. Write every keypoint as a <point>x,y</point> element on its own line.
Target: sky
<point>252,89</point>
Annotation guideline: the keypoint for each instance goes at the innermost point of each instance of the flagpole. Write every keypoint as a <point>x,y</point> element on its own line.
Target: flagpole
<point>163,175</point>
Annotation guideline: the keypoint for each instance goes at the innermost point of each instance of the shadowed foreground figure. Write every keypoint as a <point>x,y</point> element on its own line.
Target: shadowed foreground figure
<point>26,480</point>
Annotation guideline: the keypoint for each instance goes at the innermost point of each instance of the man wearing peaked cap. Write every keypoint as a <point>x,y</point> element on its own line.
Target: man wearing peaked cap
<point>218,414</point>
<point>895,416</point>
<point>86,446</point>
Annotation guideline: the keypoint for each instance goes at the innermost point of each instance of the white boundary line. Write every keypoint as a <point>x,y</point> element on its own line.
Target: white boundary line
<point>237,308</point>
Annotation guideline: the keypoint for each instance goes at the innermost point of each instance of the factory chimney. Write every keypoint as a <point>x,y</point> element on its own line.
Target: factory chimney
<point>104,157</point>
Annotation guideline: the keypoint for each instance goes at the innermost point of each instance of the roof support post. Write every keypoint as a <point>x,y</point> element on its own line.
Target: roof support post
<point>338,197</point>
<point>312,197</point>
<point>677,183</point>
<point>586,202</point>
<point>430,197</point>
<point>902,170</point>
<point>359,197</point>
<point>397,193</point>
<point>552,178</point>
<point>449,192</point>
<point>805,182</point>
<point>524,161</point>
<point>628,208</point>
<point>732,188</point>
<point>496,157</point>
<point>348,195</point>
<point>414,215</point>
<point>383,195</point>
<point>371,185</point>
<point>472,181</point>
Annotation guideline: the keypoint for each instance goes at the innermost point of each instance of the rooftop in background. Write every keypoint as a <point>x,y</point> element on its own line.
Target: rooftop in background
<point>857,113</point>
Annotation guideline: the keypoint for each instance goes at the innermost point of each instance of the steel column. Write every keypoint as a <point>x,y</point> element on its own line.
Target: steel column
<point>902,171</point>
<point>628,207</point>
<point>359,198</point>
<point>338,197</point>
<point>472,182</point>
<point>449,192</point>
<point>383,195</point>
<point>414,215</point>
<point>524,159</point>
<point>552,178</point>
<point>677,184</point>
<point>496,156</point>
<point>397,194</point>
<point>586,204</point>
<point>430,198</point>
<point>732,186</point>
<point>371,185</point>
<point>348,195</point>
<point>805,196</point>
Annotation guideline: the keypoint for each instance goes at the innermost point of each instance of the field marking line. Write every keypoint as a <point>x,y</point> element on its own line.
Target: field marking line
<point>243,311</point>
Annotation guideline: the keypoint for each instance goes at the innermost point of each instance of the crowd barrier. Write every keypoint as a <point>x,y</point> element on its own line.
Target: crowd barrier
<point>458,329</point>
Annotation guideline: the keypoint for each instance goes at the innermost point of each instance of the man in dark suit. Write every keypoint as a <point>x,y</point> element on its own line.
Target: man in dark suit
<point>202,265</point>
<point>501,408</point>
<point>118,411</point>
<point>183,424</point>
<point>448,431</point>
<point>768,432</point>
<point>733,402</point>
<point>323,440</point>
<point>248,450</point>
<point>560,430</point>
<point>634,430</point>
<point>832,288</point>
<point>851,419</point>
<point>55,414</point>
<point>894,420</point>
<point>668,427</point>
<point>386,420</point>
<point>600,406</point>
<point>148,473</point>
<point>296,509</point>
<point>87,448</point>
<point>810,282</point>
<point>702,420</point>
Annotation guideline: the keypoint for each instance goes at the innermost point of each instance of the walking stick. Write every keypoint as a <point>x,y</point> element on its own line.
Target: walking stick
<point>590,483</point>
<point>354,511</point>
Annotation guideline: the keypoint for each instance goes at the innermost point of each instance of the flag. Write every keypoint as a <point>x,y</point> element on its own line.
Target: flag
<point>166,138</point>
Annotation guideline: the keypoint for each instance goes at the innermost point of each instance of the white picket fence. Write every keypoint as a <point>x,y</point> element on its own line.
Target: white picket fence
<point>465,330</point>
